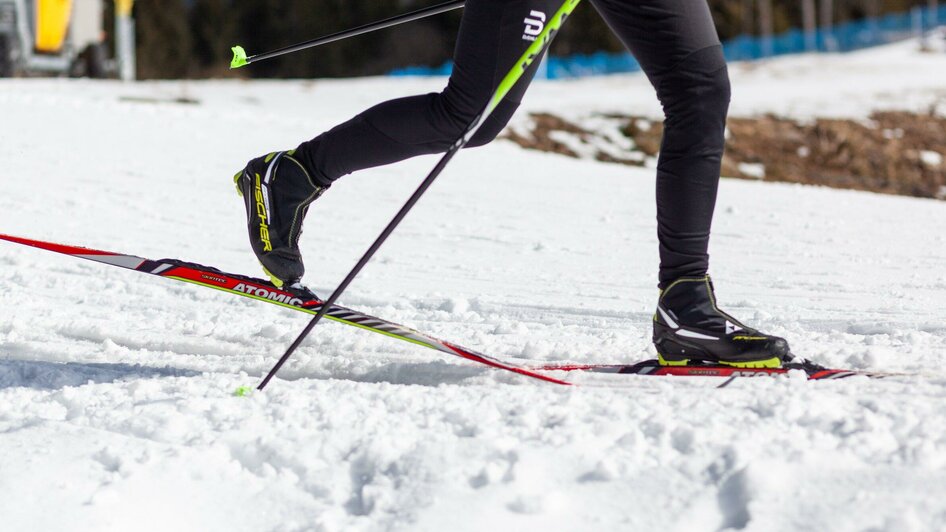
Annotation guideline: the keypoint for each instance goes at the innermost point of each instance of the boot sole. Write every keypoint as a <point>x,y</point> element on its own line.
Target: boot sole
<point>671,353</point>
<point>774,362</point>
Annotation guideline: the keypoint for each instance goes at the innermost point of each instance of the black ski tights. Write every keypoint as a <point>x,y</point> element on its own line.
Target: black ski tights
<point>675,42</point>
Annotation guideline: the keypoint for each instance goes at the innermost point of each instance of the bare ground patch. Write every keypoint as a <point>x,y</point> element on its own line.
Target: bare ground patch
<point>893,152</point>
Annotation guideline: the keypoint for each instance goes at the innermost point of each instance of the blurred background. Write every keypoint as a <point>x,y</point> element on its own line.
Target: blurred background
<point>175,39</point>
<point>892,141</point>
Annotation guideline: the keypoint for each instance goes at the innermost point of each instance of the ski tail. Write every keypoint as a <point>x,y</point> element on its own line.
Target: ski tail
<point>297,299</point>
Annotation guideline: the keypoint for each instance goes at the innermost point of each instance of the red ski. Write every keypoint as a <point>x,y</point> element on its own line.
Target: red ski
<point>301,300</point>
<point>652,367</point>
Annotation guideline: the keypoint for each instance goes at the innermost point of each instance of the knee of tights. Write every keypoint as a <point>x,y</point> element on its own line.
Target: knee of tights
<point>699,84</point>
<point>494,124</point>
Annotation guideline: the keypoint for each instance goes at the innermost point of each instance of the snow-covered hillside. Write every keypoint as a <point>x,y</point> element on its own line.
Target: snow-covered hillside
<point>116,389</point>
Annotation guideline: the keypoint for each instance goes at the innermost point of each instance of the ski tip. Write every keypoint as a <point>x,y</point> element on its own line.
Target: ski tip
<point>243,391</point>
<point>239,57</point>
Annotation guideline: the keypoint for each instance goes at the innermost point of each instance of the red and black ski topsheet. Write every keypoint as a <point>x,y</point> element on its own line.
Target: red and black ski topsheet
<point>652,367</point>
<point>308,302</point>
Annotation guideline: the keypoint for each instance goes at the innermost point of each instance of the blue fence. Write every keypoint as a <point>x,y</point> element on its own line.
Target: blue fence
<point>840,38</point>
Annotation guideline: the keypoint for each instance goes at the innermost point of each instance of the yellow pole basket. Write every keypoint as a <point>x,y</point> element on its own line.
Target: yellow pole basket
<point>52,24</point>
<point>123,7</point>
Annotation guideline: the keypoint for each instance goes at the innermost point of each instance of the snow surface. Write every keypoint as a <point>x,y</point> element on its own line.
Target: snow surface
<point>116,389</point>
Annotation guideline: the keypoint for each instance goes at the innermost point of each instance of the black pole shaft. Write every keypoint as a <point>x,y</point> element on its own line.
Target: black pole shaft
<point>367,28</point>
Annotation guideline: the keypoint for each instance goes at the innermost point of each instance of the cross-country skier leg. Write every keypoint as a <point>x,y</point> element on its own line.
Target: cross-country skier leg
<point>279,187</point>
<point>676,43</point>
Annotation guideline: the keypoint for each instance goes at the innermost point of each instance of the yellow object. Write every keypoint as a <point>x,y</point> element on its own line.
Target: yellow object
<point>52,24</point>
<point>774,362</point>
<point>664,362</point>
<point>123,7</point>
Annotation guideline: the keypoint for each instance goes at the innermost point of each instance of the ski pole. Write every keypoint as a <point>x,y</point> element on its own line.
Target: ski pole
<point>534,51</point>
<point>240,58</point>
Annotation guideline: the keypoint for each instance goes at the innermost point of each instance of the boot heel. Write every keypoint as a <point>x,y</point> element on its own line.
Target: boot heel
<point>664,362</point>
<point>236,183</point>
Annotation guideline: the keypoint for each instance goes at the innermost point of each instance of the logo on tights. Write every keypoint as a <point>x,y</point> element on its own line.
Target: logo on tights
<point>535,23</point>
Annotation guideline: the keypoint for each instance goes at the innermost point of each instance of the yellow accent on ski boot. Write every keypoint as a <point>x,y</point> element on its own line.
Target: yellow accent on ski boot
<point>774,362</point>
<point>277,282</point>
<point>664,362</point>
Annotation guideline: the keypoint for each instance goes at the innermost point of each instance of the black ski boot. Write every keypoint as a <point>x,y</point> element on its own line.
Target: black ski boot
<point>277,191</point>
<point>689,329</point>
